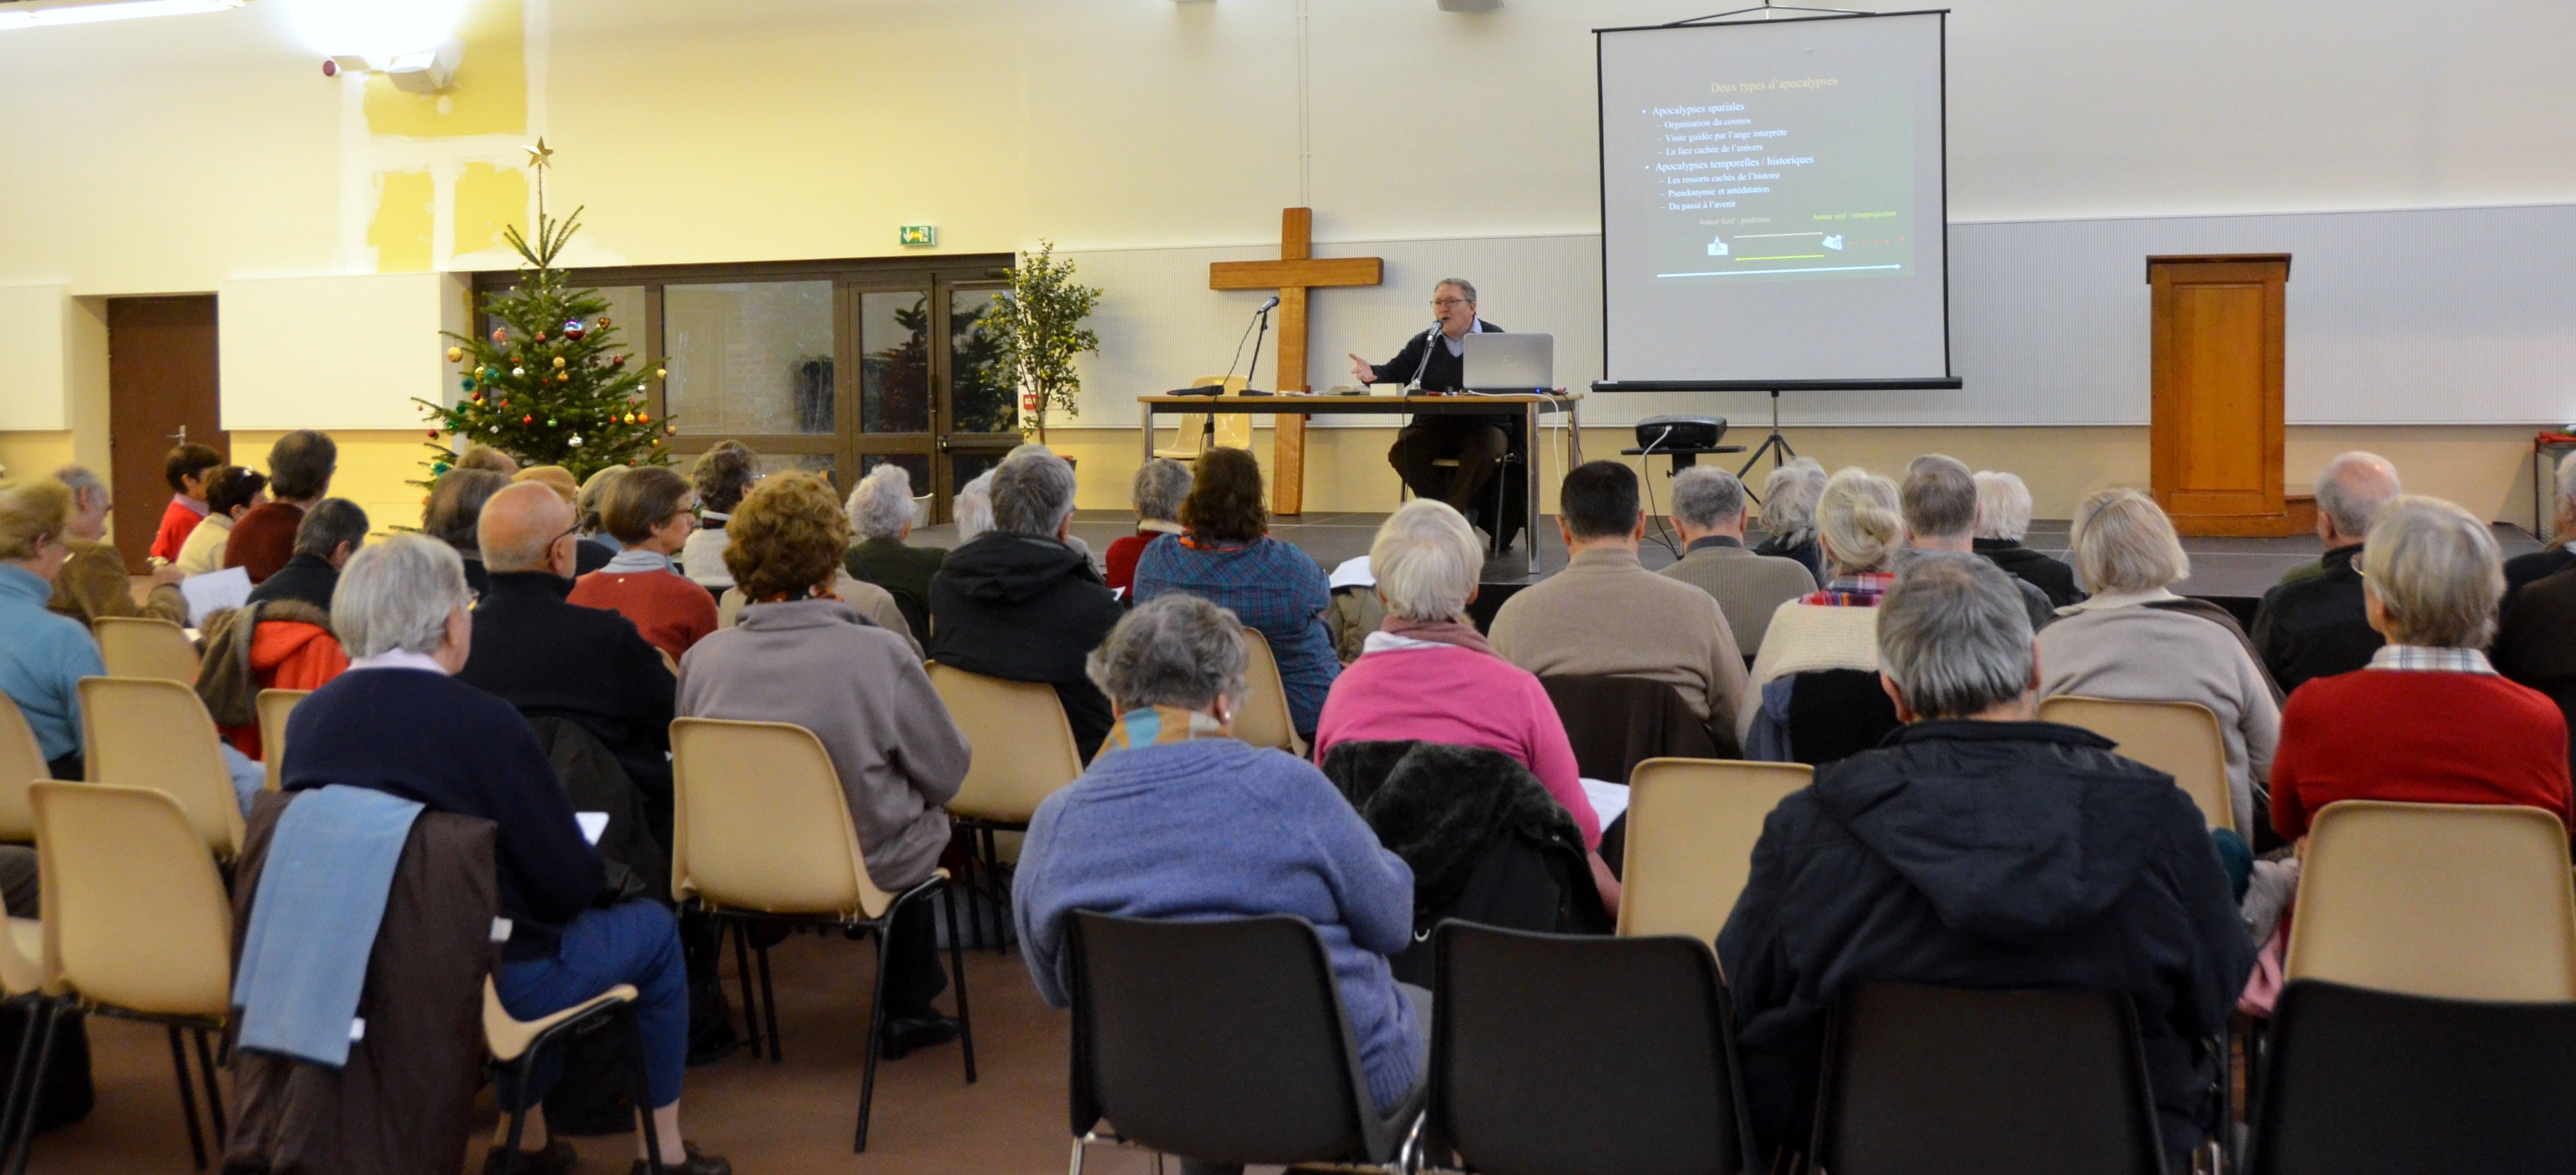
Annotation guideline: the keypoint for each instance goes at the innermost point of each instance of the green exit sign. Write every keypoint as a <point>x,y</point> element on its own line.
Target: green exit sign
<point>920,234</point>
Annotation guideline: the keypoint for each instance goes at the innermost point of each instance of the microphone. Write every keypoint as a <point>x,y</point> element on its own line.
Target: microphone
<point>1269,306</point>
<point>1430,339</point>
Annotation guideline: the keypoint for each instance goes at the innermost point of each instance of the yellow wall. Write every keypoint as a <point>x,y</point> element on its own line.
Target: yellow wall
<point>34,454</point>
<point>374,467</point>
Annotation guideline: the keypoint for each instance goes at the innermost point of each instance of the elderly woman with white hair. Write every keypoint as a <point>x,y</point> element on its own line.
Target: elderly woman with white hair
<point>1161,485</point>
<point>399,722</point>
<point>2133,641</point>
<point>2428,720</point>
<point>881,512</point>
<point>1789,496</point>
<point>2003,517</point>
<point>1817,673</point>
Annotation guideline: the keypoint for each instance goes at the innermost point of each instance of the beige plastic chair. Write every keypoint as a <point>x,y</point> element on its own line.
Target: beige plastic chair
<point>157,734</point>
<point>761,832</point>
<point>515,1044</point>
<point>136,924</point>
<point>1024,752</point>
<point>2455,901</point>
<point>1692,824</point>
<point>274,706</point>
<point>136,646</point>
<point>1265,720</point>
<point>2181,739</point>
<point>1230,430</point>
<point>22,762</point>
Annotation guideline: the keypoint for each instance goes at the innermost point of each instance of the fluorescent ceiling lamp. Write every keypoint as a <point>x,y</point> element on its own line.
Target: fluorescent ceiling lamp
<point>378,30</point>
<point>90,11</point>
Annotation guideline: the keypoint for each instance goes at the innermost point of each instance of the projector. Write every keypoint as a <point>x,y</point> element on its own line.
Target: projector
<point>1663,434</point>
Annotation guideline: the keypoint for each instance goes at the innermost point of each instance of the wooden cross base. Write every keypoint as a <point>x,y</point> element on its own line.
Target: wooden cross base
<point>1295,273</point>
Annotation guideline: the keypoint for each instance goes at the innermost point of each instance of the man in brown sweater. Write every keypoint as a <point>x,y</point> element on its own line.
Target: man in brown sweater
<point>300,466</point>
<point>1606,615</point>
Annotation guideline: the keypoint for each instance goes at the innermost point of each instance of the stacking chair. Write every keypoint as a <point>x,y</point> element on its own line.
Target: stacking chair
<point>157,734</point>
<point>2181,739</point>
<point>136,646</point>
<point>1024,752</point>
<point>1265,720</point>
<point>516,1044</point>
<point>1692,824</point>
<point>22,762</point>
<point>1631,1067</point>
<point>274,706</point>
<point>1945,1081</point>
<point>2365,1082</point>
<point>136,924</point>
<point>1201,431</point>
<point>762,833</point>
<point>2458,901</point>
<point>1220,1040</point>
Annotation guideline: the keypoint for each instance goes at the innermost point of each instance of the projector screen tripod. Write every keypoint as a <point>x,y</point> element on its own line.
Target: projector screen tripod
<point>1775,444</point>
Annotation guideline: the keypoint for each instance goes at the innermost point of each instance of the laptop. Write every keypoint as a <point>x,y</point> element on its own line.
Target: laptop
<point>1501,362</point>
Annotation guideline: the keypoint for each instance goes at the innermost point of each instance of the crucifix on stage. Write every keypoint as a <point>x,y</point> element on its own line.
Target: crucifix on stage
<point>1296,272</point>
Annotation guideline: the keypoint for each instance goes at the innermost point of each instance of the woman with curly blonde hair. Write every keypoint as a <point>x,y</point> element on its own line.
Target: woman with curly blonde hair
<point>799,654</point>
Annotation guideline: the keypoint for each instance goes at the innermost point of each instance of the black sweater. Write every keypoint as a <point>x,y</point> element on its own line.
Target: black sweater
<point>428,737</point>
<point>554,659</point>
<point>2316,627</point>
<point>1445,373</point>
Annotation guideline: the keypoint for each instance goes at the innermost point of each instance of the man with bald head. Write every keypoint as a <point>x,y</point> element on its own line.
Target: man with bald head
<point>2311,624</point>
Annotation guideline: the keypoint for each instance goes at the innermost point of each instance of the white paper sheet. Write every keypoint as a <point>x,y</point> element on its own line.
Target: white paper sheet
<point>1353,573</point>
<point>1609,800</point>
<point>593,824</point>
<point>213,592</point>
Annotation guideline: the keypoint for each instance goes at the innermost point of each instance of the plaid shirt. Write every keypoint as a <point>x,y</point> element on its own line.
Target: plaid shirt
<point>1861,590</point>
<point>2420,659</point>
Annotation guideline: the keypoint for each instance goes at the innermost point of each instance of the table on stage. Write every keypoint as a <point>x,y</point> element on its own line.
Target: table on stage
<point>1529,406</point>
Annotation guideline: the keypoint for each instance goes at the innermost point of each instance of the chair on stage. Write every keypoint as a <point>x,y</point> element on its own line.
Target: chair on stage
<point>1201,431</point>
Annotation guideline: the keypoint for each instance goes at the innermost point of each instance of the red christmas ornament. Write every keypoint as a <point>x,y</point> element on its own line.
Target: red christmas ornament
<point>541,336</point>
<point>527,420</point>
<point>618,361</point>
<point>433,434</point>
<point>500,335</point>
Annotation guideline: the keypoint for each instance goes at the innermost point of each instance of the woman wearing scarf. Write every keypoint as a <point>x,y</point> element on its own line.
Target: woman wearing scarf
<point>651,512</point>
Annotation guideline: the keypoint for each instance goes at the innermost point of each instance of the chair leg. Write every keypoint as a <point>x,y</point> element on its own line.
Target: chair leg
<point>643,1092</point>
<point>742,976</point>
<point>24,1138</point>
<point>769,1005</point>
<point>876,1029</point>
<point>214,1092</point>
<point>187,1098</point>
<point>995,893</point>
<point>518,1122</point>
<point>21,1084</point>
<point>965,1019</point>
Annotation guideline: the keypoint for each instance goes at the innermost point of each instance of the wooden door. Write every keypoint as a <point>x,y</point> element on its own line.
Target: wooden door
<point>2216,440</point>
<point>161,389</point>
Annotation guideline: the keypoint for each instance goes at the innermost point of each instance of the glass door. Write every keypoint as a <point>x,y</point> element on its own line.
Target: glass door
<point>982,409</point>
<point>755,361</point>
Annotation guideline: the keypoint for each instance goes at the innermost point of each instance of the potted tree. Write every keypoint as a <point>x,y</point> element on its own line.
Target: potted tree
<point>1039,330</point>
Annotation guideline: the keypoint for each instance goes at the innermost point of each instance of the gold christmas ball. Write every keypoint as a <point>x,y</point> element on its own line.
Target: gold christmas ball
<point>661,373</point>
<point>559,362</point>
<point>456,354</point>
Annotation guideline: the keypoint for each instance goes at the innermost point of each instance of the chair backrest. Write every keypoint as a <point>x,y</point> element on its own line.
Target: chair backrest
<point>1222,1040</point>
<point>1233,429</point>
<point>1691,828</point>
<point>135,915</point>
<point>22,762</point>
<point>1931,1080</point>
<point>2461,901</point>
<point>2181,739</point>
<point>2360,1082</point>
<point>1024,748</point>
<point>1265,720</point>
<point>135,646</point>
<point>156,733</point>
<point>274,706</point>
<point>759,822</point>
<point>1630,1067</point>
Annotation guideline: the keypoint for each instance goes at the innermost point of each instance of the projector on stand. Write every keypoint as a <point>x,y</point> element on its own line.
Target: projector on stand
<point>1664,434</point>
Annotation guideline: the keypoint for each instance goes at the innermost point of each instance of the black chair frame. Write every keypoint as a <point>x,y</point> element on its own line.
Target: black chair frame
<point>638,1089</point>
<point>36,1051</point>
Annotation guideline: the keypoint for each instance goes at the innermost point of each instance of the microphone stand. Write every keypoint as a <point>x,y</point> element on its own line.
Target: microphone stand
<point>1253,372</point>
<point>1430,339</point>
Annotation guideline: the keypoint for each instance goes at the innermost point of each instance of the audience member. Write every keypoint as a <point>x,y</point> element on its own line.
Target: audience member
<point>187,468</point>
<point>881,512</point>
<point>93,582</point>
<point>800,655</point>
<point>650,511</point>
<point>553,477</point>
<point>2535,643</point>
<point>332,531</point>
<point>300,466</point>
<point>1228,557</point>
<point>231,492</point>
<point>1709,509</point>
<point>2428,720</point>
<point>2311,624</point>
<point>488,459</point>
<point>398,723</point>
<point>2522,571</point>
<point>1605,615</point>
<point>43,656</point>
<point>1178,820</point>
<point>1981,849</point>
<point>973,508</point>
<point>721,476</point>
<point>1018,602</point>
<point>2119,645</point>
<point>1789,495</point>
<point>454,514</point>
<point>1161,485</point>
<point>2003,517</point>
<point>597,545</point>
<point>1939,501</point>
<point>1815,685</point>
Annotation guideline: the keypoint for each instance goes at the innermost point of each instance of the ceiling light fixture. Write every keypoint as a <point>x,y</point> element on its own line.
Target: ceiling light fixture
<point>30,13</point>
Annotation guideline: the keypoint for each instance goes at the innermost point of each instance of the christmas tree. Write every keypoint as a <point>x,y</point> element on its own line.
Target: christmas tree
<point>550,385</point>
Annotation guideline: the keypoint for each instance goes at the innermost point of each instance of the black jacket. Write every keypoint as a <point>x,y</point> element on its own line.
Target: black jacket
<point>1985,855</point>
<point>2536,646</point>
<point>553,659</point>
<point>1806,551</point>
<point>309,578</point>
<point>1025,608</point>
<point>2048,575</point>
<point>1446,372</point>
<point>2315,627</point>
<point>904,571</point>
<point>2522,571</point>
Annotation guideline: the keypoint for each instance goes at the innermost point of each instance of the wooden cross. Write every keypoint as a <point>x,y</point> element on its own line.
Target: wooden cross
<point>1296,272</point>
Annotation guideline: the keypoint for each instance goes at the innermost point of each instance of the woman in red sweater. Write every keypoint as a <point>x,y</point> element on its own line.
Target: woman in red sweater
<point>1160,485</point>
<point>2429,721</point>
<point>652,511</point>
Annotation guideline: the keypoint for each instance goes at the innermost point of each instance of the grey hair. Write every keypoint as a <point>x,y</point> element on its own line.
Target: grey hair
<point>398,594</point>
<point>1032,494</point>
<point>2353,487</point>
<point>1426,559</point>
<point>81,481</point>
<point>1954,636</point>
<point>2436,571</point>
<point>880,506</point>
<point>1173,650</point>
<point>1789,494</point>
<point>331,522</point>
<point>974,507</point>
<point>1940,497</point>
<point>2003,506</point>
<point>2123,542</point>
<point>1857,521</point>
<point>1161,483</point>
<point>594,496</point>
<point>1705,498</point>
<point>1465,287</point>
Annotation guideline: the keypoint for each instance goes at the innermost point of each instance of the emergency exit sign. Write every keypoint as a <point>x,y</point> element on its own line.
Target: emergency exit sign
<point>920,234</point>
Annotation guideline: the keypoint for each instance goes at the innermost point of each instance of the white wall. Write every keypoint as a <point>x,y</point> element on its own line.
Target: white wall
<point>337,352</point>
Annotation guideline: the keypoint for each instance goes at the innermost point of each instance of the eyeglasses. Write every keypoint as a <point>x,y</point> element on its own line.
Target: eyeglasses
<point>1445,303</point>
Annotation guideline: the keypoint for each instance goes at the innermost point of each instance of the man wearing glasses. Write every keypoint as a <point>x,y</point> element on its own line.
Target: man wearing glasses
<point>1477,443</point>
